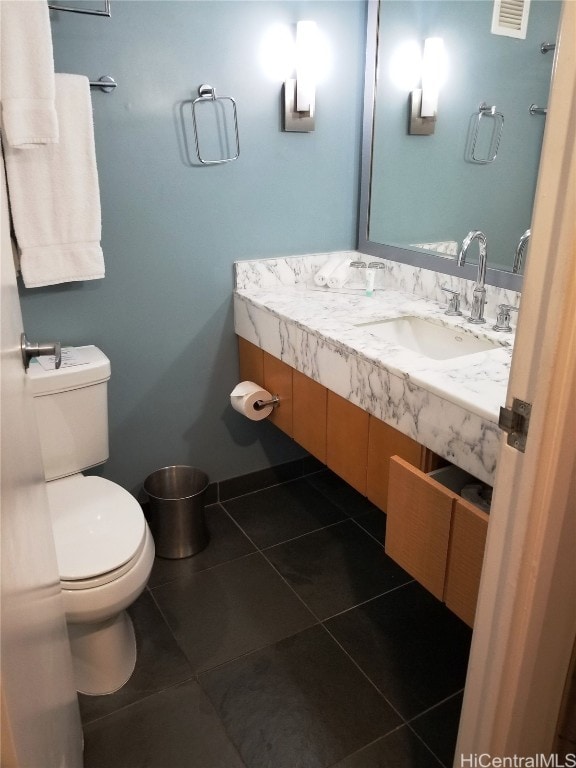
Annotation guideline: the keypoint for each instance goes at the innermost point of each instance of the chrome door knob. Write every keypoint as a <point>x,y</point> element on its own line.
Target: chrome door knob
<point>30,350</point>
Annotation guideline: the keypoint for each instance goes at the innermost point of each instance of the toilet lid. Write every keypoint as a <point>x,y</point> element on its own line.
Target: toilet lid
<point>97,525</point>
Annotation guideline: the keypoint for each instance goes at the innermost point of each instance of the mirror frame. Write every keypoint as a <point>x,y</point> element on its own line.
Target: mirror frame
<point>425,260</point>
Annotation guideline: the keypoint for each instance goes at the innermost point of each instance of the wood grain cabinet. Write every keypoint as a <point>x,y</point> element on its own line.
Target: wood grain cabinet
<point>347,441</point>
<point>432,532</point>
<point>309,414</point>
<point>435,535</point>
<point>277,379</point>
<point>465,557</point>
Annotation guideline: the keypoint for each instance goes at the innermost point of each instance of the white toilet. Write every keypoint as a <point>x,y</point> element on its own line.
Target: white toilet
<point>104,548</point>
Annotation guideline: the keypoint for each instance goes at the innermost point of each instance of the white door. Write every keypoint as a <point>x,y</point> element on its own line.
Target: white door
<point>40,715</point>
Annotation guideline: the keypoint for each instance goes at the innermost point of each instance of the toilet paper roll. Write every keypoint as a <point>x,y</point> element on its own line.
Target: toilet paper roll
<point>244,398</point>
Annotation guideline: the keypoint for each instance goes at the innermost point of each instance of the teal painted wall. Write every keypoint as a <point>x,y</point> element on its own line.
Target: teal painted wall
<point>436,193</point>
<point>171,232</point>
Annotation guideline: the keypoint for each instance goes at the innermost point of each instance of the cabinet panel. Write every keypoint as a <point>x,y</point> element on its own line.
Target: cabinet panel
<point>418,524</point>
<point>251,362</point>
<point>347,441</point>
<point>309,415</point>
<point>465,557</point>
<point>278,381</point>
<point>383,442</point>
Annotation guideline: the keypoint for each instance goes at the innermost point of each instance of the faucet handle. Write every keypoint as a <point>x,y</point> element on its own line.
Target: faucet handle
<point>359,264</point>
<point>454,303</point>
<point>503,318</point>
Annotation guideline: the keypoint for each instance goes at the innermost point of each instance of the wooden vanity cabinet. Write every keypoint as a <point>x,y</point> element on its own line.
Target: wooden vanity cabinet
<point>354,444</point>
<point>432,532</point>
<point>435,535</point>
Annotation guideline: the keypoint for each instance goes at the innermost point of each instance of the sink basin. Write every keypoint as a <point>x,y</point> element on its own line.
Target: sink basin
<point>427,338</point>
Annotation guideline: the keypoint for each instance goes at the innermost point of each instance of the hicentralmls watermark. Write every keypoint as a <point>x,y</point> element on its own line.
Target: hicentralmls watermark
<point>485,760</point>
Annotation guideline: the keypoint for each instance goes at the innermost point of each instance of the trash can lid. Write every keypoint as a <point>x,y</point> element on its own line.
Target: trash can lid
<point>98,526</point>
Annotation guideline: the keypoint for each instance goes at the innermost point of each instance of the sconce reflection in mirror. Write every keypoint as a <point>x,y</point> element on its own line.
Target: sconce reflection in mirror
<point>424,100</point>
<point>300,92</point>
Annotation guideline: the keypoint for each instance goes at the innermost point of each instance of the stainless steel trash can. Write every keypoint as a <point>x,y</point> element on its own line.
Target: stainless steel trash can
<point>176,510</point>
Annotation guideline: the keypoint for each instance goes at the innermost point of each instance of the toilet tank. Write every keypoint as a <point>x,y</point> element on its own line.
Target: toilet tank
<point>71,406</point>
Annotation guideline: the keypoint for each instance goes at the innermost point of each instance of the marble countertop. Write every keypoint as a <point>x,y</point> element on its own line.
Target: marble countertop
<point>451,406</point>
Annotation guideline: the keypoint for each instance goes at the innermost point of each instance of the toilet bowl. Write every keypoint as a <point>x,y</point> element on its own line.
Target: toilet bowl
<point>105,554</point>
<point>104,547</point>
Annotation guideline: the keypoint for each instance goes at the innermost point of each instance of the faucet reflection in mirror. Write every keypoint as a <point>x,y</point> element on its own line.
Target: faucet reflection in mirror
<point>520,249</point>
<point>417,191</point>
<point>479,294</point>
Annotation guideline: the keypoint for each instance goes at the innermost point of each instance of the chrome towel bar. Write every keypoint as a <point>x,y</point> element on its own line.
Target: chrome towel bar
<point>106,83</point>
<point>86,11</point>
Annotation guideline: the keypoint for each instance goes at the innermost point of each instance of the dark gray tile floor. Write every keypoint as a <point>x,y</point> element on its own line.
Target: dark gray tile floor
<point>291,641</point>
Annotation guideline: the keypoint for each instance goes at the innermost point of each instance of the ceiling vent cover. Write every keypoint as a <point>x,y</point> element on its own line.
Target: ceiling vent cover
<point>510,18</point>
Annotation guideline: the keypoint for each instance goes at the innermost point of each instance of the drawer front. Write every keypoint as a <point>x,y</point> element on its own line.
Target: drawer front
<point>465,557</point>
<point>347,441</point>
<point>309,414</point>
<point>418,524</point>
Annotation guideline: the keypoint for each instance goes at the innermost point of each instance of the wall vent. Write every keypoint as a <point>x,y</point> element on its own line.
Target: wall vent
<point>510,18</point>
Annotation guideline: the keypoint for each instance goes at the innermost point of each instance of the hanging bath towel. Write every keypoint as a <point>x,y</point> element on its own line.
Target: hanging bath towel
<point>54,196</point>
<point>27,74</point>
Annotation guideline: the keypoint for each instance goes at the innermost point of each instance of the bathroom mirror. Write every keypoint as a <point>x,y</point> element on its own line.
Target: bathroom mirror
<point>421,194</point>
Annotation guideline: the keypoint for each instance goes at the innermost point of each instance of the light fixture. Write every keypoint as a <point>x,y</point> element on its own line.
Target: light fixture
<point>300,92</point>
<point>424,100</point>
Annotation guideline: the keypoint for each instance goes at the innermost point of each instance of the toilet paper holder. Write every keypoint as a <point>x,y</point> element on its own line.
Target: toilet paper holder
<point>261,404</point>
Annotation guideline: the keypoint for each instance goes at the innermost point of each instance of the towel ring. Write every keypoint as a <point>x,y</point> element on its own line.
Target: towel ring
<point>207,93</point>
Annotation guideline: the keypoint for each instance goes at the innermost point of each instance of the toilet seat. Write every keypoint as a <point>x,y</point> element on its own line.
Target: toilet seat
<point>104,578</point>
<point>99,530</point>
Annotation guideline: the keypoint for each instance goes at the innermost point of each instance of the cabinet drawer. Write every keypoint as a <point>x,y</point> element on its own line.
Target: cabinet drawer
<point>435,534</point>
<point>465,558</point>
<point>309,414</point>
<point>347,441</point>
<point>418,524</point>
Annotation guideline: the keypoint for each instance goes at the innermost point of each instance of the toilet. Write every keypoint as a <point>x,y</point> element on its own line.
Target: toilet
<point>103,544</point>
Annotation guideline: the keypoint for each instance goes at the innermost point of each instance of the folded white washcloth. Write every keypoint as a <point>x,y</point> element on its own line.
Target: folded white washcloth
<point>54,196</point>
<point>338,277</point>
<point>333,261</point>
<point>27,74</point>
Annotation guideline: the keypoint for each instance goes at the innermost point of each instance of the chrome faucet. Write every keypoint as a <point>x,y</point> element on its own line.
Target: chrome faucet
<point>520,249</point>
<point>479,294</point>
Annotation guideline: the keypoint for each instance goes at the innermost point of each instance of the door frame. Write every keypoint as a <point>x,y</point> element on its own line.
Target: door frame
<point>526,615</point>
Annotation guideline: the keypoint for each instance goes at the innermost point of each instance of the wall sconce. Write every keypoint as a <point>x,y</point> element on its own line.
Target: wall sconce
<point>300,92</point>
<point>424,101</point>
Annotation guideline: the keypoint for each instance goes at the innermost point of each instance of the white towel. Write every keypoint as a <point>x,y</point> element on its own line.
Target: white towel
<point>27,74</point>
<point>54,196</point>
<point>338,276</point>
<point>333,261</point>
